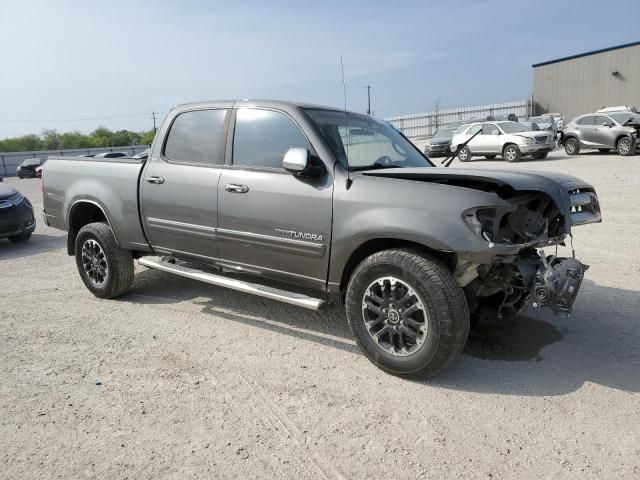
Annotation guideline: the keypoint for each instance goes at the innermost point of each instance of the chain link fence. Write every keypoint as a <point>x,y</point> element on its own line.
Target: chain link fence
<point>425,124</point>
<point>9,161</point>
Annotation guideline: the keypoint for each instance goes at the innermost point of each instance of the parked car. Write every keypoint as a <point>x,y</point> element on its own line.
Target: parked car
<point>559,119</point>
<point>27,168</point>
<point>603,131</point>
<point>17,221</point>
<point>112,155</point>
<point>40,169</point>
<point>143,155</point>
<point>545,123</point>
<point>619,108</point>
<point>529,125</point>
<point>337,203</point>
<point>440,145</point>
<point>508,139</point>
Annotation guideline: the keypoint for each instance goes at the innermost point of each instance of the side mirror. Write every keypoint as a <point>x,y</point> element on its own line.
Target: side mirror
<point>299,162</point>
<point>608,124</point>
<point>495,132</point>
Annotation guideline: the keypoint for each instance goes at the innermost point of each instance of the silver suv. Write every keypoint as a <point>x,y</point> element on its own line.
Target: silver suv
<point>603,131</point>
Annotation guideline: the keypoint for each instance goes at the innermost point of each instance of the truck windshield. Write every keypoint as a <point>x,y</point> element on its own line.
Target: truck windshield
<point>360,142</point>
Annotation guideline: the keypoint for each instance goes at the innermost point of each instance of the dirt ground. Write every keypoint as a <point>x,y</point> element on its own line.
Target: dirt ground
<point>178,379</point>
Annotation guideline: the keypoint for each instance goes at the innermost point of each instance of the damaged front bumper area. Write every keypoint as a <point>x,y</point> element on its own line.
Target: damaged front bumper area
<point>520,273</point>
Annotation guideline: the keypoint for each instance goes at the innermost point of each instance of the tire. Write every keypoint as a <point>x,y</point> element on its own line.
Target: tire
<point>541,156</point>
<point>490,157</point>
<point>438,301</point>
<point>572,146</point>
<point>511,153</point>
<point>464,155</point>
<point>111,272</point>
<point>20,238</point>
<point>604,150</point>
<point>625,147</point>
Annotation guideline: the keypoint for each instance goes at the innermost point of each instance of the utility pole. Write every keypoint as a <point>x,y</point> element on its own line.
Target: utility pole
<point>368,99</point>
<point>153,115</point>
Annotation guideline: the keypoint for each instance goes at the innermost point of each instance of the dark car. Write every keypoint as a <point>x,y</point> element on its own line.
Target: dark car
<point>112,155</point>
<point>440,145</point>
<point>17,222</point>
<point>27,168</point>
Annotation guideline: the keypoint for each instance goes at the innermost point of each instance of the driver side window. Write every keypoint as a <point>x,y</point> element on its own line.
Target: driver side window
<point>489,128</point>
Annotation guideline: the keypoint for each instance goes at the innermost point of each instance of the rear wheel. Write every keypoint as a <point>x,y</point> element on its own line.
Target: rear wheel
<point>511,153</point>
<point>625,146</point>
<point>407,312</point>
<point>571,146</point>
<point>464,155</point>
<point>105,268</point>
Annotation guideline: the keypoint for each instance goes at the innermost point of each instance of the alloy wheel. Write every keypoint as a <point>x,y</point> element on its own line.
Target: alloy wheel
<point>94,262</point>
<point>510,153</point>
<point>395,316</point>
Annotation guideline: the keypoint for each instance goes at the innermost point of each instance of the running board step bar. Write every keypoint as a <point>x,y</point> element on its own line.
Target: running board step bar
<point>293,298</point>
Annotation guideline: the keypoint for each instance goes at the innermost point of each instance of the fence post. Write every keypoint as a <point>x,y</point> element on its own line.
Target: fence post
<point>4,166</point>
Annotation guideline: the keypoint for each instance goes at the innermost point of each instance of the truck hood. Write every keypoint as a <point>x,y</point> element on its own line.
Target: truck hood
<point>6,192</point>
<point>558,186</point>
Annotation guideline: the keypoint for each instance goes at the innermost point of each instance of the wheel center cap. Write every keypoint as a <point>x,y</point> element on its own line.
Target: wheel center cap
<point>393,316</point>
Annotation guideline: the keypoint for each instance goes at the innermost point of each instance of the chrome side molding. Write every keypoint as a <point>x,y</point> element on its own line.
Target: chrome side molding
<point>285,296</point>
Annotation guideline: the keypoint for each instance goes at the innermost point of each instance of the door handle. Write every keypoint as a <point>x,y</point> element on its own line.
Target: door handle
<point>156,180</point>
<point>236,188</point>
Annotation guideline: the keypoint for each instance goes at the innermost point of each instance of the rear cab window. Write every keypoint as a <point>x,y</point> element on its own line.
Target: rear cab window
<point>196,137</point>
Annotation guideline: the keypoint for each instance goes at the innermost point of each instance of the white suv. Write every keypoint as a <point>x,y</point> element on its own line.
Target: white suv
<point>510,140</point>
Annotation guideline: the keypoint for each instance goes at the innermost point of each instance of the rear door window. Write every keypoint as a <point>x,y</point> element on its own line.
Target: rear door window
<point>586,120</point>
<point>196,137</point>
<point>262,137</point>
<point>489,128</point>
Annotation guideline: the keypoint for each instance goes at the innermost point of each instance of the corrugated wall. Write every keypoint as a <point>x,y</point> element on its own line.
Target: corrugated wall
<point>585,84</point>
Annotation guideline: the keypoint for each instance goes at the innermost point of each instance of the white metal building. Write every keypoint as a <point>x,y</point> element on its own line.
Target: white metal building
<point>586,82</point>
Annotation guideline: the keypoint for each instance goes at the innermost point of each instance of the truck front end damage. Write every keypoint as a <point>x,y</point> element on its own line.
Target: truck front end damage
<point>531,221</point>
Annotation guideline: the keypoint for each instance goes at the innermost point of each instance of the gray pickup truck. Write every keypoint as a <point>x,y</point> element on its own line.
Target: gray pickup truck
<point>333,206</point>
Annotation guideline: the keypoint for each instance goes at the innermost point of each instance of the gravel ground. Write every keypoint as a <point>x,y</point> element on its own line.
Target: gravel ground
<point>178,379</point>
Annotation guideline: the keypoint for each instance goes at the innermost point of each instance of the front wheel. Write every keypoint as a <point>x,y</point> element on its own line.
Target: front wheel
<point>464,155</point>
<point>511,153</point>
<point>571,146</point>
<point>407,312</point>
<point>625,146</point>
<point>105,268</point>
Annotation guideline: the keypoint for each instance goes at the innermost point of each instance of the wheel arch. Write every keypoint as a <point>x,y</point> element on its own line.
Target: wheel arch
<point>81,213</point>
<point>375,245</point>
<point>620,137</point>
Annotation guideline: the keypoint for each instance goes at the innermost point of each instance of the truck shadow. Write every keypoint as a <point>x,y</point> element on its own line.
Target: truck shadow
<point>537,354</point>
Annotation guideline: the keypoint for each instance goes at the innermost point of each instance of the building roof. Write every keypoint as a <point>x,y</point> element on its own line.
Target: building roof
<point>593,52</point>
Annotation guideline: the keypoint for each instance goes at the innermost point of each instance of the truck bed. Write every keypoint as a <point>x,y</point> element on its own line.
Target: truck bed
<point>109,183</point>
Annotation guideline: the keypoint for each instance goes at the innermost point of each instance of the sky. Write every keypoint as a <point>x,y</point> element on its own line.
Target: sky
<point>75,65</point>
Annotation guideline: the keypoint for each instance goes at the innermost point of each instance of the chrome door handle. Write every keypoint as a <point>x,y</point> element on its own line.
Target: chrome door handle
<point>156,180</point>
<point>236,188</point>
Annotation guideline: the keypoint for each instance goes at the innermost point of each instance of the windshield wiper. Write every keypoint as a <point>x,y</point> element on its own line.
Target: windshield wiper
<point>375,166</point>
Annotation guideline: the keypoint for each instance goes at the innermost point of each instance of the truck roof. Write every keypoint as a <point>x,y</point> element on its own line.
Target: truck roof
<point>245,102</point>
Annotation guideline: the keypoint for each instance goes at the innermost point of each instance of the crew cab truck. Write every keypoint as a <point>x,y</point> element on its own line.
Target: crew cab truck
<point>341,207</point>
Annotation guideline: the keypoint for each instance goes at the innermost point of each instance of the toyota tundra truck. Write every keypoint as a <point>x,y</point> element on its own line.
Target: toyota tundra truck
<point>312,205</point>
